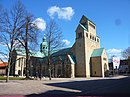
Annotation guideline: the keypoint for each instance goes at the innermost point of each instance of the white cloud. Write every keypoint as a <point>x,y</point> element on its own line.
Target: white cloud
<point>115,52</point>
<point>63,13</point>
<point>66,42</point>
<point>41,24</point>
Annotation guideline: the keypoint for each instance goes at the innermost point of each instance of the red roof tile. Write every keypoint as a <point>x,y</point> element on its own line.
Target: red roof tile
<point>4,64</point>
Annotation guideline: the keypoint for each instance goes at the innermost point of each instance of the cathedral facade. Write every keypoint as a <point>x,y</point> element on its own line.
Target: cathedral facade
<point>84,59</point>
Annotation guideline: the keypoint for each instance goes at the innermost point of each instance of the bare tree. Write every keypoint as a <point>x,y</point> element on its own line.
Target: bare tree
<point>10,24</point>
<point>18,30</point>
<point>28,38</point>
<point>54,36</point>
<point>126,53</point>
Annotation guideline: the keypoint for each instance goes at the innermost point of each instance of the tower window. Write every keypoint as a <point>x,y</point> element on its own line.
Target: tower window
<point>90,36</point>
<point>80,35</point>
<point>19,62</point>
<point>86,34</point>
<point>104,59</point>
<point>93,37</point>
<point>97,40</point>
<point>92,25</point>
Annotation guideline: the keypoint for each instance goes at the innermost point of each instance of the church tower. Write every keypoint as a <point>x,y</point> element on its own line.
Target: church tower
<point>44,46</point>
<point>86,42</point>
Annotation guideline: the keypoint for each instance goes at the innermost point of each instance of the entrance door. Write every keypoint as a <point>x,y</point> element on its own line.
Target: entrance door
<point>105,70</point>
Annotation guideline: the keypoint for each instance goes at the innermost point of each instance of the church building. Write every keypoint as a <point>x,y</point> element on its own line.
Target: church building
<point>84,59</point>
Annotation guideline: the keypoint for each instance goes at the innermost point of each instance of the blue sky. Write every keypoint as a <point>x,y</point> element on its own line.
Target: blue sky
<point>112,18</point>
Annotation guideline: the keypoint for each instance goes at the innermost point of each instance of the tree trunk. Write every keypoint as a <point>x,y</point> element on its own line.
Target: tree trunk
<point>27,67</point>
<point>8,69</point>
<point>49,61</point>
<point>26,48</point>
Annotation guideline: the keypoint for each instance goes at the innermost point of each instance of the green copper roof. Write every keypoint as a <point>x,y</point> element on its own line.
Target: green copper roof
<point>61,52</point>
<point>97,52</point>
<point>88,19</point>
<point>37,54</point>
<point>58,55</point>
<point>83,20</point>
<point>21,51</point>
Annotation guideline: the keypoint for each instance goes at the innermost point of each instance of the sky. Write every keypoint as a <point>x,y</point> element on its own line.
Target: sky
<point>112,19</point>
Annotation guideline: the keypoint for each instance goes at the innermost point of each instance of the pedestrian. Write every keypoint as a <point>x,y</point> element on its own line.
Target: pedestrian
<point>40,76</point>
<point>36,75</point>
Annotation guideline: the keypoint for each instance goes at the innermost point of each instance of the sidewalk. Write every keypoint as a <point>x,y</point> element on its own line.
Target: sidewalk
<point>81,78</point>
<point>27,87</point>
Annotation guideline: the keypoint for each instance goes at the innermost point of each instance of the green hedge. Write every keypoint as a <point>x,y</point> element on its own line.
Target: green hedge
<point>11,78</point>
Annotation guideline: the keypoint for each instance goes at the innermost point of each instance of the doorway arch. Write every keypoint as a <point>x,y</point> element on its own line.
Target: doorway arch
<point>105,70</point>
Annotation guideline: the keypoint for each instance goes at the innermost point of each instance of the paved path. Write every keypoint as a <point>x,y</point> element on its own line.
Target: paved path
<point>66,86</point>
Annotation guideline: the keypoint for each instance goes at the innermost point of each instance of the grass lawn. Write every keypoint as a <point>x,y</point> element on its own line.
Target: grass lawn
<point>11,78</point>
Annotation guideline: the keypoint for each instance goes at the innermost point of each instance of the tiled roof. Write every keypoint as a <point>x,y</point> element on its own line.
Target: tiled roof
<point>97,52</point>
<point>4,64</point>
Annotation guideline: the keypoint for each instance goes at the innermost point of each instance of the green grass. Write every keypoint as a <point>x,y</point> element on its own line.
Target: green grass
<point>11,78</point>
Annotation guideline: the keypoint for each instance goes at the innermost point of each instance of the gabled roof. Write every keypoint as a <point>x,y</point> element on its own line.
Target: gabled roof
<point>4,64</point>
<point>87,19</point>
<point>21,51</point>
<point>37,54</point>
<point>97,52</point>
<point>61,52</point>
<point>57,54</point>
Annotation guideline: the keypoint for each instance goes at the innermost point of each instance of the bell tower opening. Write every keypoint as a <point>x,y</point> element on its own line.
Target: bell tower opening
<point>44,46</point>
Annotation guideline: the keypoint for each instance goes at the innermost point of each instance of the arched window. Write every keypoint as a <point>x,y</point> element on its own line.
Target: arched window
<point>93,38</point>
<point>90,36</point>
<point>86,34</point>
<point>92,25</point>
<point>97,40</point>
<point>80,35</point>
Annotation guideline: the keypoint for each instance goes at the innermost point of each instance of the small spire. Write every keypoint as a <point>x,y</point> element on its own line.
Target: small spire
<point>44,39</point>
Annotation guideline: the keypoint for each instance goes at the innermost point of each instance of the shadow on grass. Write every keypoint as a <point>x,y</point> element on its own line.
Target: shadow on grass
<point>103,87</point>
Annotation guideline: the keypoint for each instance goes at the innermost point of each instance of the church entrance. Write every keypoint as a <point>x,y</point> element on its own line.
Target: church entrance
<point>105,70</point>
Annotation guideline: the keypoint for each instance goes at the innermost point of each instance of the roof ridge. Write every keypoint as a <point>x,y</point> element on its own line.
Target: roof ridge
<point>97,52</point>
<point>88,19</point>
<point>83,26</point>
